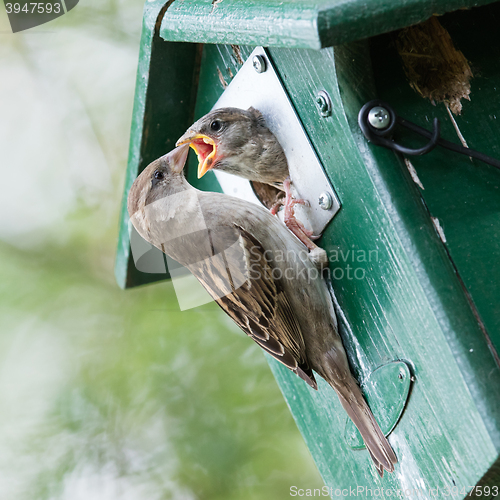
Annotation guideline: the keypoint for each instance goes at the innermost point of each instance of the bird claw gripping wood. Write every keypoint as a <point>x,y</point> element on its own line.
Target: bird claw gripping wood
<point>316,254</point>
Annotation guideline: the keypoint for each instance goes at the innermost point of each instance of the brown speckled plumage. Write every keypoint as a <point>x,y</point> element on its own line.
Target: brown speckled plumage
<point>259,274</point>
<point>238,141</point>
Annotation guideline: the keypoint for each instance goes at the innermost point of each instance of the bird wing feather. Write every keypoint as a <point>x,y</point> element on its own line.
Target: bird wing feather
<point>240,279</point>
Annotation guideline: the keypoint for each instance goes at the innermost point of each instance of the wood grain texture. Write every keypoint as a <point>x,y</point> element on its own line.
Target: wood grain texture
<point>413,298</point>
<point>463,194</point>
<point>163,109</point>
<point>296,23</point>
<point>409,306</point>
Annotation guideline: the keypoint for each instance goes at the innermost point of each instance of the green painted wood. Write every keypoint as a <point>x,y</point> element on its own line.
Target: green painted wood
<point>488,487</point>
<point>296,23</point>
<point>163,109</point>
<point>407,301</point>
<point>410,304</point>
<point>386,389</point>
<point>463,194</point>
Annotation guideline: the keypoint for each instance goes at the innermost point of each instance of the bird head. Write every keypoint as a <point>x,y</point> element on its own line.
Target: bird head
<point>218,137</point>
<point>159,179</point>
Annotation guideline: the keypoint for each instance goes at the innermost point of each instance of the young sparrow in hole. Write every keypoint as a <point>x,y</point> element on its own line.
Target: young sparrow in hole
<point>259,274</point>
<point>238,141</point>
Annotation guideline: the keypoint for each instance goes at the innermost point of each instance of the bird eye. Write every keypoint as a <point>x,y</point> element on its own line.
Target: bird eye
<point>216,125</point>
<point>158,175</point>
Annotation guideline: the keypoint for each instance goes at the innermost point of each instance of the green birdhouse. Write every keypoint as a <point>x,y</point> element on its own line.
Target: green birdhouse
<point>413,240</point>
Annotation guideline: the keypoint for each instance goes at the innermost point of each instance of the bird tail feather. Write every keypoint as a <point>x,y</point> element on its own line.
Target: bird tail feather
<point>358,410</point>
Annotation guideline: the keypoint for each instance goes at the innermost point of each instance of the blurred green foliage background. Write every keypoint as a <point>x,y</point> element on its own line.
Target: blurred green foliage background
<point>110,394</point>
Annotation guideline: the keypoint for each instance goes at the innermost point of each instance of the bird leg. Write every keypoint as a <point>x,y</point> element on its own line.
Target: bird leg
<point>291,221</point>
<point>316,254</point>
<point>275,208</point>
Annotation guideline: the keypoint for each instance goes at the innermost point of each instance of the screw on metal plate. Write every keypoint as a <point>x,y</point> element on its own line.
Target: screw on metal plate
<point>265,92</point>
<point>379,118</point>
<point>324,103</point>
<point>325,200</point>
<point>259,64</point>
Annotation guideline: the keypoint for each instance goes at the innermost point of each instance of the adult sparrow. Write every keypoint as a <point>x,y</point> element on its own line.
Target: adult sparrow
<point>259,274</point>
<point>238,141</point>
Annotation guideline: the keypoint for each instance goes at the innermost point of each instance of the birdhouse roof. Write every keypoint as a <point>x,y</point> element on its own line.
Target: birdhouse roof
<point>305,24</point>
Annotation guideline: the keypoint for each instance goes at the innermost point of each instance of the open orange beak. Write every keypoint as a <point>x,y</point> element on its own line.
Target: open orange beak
<point>204,147</point>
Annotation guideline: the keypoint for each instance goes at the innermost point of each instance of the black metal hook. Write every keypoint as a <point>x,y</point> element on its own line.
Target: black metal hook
<point>381,136</point>
<point>386,120</point>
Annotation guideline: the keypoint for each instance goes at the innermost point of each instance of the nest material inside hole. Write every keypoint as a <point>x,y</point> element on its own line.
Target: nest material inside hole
<point>268,195</point>
<point>435,68</point>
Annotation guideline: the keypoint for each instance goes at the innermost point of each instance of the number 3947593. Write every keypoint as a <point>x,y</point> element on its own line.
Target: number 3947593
<point>33,8</point>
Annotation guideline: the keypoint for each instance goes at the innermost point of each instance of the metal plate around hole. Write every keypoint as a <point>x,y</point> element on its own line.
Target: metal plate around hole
<point>265,92</point>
